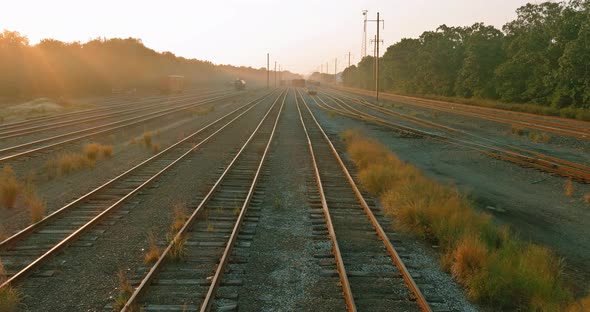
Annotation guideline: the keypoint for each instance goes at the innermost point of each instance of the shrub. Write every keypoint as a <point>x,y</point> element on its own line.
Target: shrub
<point>517,130</point>
<point>493,265</point>
<point>36,206</point>
<point>70,162</point>
<point>180,217</point>
<point>107,151</point>
<point>9,187</point>
<point>178,250</point>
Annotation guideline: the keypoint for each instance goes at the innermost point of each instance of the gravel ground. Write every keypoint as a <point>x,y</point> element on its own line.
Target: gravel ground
<point>282,273</point>
<point>533,203</point>
<point>59,191</point>
<point>86,278</point>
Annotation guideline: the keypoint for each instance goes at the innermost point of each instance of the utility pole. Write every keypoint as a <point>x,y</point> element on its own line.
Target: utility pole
<point>267,70</point>
<point>280,74</point>
<point>275,74</point>
<point>364,47</point>
<point>348,58</point>
<point>377,60</point>
<point>377,41</point>
<point>321,68</point>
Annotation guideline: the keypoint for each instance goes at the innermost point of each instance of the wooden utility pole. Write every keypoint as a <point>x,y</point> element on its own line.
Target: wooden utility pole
<point>275,74</point>
<point>267,70</point>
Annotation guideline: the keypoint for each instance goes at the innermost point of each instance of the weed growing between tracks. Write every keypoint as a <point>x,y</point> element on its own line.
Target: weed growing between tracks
<point>9,187</point>
<point>125,290</point>
<point>153,253</point>
<point>69,162</point>
<point>178,251</point>
<point>582,305</point>
<point>9,297</point>
<point>493,265</point>
<point>35,203</point>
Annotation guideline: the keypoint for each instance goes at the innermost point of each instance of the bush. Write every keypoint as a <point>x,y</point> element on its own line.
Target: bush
<point>493,265</point>
<point>9,297</point>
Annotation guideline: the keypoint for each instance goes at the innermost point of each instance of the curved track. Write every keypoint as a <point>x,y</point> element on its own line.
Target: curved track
<point>450,135</point>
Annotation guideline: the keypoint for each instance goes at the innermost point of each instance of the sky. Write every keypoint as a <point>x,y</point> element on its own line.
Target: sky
<point>300,35</point>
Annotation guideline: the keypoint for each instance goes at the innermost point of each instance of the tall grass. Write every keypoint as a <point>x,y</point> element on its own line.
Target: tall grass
<point>125,290</point>
<point>35,204</point>
<point>69,162</point>
<point>490,262</point>
<point>10,188</point>
<point>9,297</point>
<point>153,253</point>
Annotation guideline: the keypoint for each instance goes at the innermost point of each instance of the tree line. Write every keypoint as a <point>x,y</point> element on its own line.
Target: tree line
<point>541,57</point>
<point>55,68</point>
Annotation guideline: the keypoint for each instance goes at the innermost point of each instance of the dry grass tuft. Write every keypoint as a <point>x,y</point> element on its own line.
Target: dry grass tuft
<point>9,187</point>
<point>492,264</point>
<point>71,162</point>
<point>201,111</point>
<point>154,252</point>
<point>582,305</point>
<point>156,148</point>
<point>36,205</point>
<point>178,250</point>
<point>569,188</point>
<point>95,150</point>
<point>586,198</point>
<point>516,130</point>
<point>180,217</point>
<point>539,137</point>
<point>147,138</point>
<point>9,297</point>
<point>125,290</point>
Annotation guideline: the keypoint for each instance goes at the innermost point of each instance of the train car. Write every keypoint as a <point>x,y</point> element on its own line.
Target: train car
<point>298,83</point>
<point>172,84</point>
<point>313,83</point>
<point>311,90</point>
<point>239,84</point>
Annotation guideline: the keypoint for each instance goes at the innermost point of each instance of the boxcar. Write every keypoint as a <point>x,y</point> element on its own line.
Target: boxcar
<point>172,84</point>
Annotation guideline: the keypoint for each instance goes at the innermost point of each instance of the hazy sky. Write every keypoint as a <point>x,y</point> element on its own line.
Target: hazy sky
<point>299,34</point>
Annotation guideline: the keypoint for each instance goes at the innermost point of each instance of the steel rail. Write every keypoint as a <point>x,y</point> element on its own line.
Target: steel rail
<point>561,126</point>
<point>347,291</point>
<point>215,282</point>
<point>155,269</point>
<point>416,292</point>
<point>104,107</point>
<point>111,113</point>
<point>544,163</point>
<point>84,228</point>
<point>116,125</point>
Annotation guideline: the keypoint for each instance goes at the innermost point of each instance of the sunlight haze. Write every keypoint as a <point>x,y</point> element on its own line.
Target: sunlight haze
<point>300,35</point>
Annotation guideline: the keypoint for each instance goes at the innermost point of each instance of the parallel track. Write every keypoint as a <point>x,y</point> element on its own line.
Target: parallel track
<point>562,126</point>
<point>368,264</point>
<point>26,251</point>
<point>512,154</point>
<point>105,115</point>
<point>209,234</point>
<point>30,148</point>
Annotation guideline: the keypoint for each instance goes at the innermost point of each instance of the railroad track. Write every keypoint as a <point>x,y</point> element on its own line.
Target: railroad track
<point>118,103</point>
<point>25,149</point>
<point>562,126</point>
<point>26,251</point>
<point>106,115</point>
<point>372,274</point>
<point>517,155</point>
<point>210,233</point>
